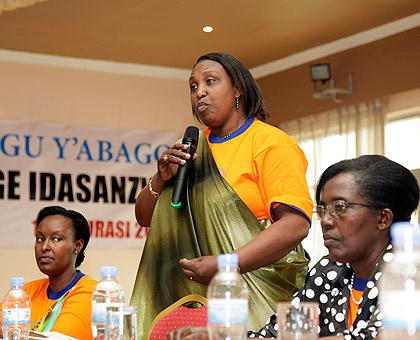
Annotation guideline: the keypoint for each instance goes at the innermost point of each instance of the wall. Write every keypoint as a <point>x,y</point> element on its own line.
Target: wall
<point>379,69</point>
<point>59,94</point>
<point>80,97</point>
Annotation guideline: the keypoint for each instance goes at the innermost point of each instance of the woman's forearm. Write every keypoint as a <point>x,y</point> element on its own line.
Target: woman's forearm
<point>146,201</point>
<point>274,242</point>
<point>167,166</point>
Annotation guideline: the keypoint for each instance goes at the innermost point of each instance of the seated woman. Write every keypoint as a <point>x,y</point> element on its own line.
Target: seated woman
<point>357,201</point>
<point>61,302</point>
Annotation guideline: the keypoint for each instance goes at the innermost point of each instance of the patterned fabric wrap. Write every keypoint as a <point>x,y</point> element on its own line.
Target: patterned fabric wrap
<point>328,283</point>
<point>212,221</point>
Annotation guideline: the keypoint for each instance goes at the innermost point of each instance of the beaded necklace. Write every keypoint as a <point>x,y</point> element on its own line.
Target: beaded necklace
<point>219,139</point>
<point>228,135</point>
<point>351,291</point>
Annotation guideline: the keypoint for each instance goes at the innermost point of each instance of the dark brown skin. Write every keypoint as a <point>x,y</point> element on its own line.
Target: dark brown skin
<point>359,228</point>
<point>56,250</point>
<point>212,97</point>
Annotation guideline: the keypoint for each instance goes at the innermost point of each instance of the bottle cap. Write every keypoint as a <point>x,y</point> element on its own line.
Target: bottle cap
<point>405,235</point>
<point>17,281</point>
<point>108,271</point>
<point>227,260</point>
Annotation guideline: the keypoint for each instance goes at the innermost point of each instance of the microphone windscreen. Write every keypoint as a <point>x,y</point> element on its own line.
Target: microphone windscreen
<point>191,133</point>
<point>191,139</point>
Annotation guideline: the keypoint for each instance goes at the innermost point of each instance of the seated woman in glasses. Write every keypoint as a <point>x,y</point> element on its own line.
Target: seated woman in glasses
<point>357,201</point>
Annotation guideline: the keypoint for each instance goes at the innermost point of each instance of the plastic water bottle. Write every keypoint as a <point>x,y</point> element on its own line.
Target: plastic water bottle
<point>108,295</point>
<point>400,285</point>
<point>16,311</point>
<point>227,297</point>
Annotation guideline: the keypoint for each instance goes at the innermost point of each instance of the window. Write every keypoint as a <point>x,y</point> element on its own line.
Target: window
<point>402,138</point>
<point>346,133</point>
<point>402,142</point>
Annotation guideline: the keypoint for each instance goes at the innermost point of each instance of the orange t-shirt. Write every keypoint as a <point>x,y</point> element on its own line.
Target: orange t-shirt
<point>76,314</point>
<point>265,166</point>
<point>353,308</point>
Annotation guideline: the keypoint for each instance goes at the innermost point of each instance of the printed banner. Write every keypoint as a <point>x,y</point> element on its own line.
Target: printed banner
<point>96,171</point>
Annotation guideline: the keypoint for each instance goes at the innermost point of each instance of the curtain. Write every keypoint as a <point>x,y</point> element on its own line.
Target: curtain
<point>331,136</point>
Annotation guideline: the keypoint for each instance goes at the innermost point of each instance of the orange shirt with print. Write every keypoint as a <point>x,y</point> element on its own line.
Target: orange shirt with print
<point>76,314</point>
<point>264,166</point>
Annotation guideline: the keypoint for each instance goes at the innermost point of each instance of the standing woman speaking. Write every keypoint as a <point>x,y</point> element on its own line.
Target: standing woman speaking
<point>247,194</point>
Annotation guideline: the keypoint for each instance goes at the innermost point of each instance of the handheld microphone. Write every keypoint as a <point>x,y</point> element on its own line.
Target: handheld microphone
<point>191,139</point>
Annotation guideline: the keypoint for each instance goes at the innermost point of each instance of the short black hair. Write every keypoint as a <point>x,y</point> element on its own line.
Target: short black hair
<point>382,182</point>
<point>78,221</point>
<point>243,80</point>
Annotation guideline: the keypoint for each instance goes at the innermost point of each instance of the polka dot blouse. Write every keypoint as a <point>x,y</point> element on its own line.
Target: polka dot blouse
<point>328,283</point>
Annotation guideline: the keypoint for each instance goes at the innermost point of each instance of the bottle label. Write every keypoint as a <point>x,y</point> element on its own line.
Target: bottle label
<point>16,316</point>
<point>401,309</point>
<point>228,312</point>
<point>99,310</point>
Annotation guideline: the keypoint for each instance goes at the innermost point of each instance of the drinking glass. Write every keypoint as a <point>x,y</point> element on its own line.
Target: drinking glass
<point>190,333</point>
<point>297,321</point>
<point>130,323</point>
<point>121,323</point>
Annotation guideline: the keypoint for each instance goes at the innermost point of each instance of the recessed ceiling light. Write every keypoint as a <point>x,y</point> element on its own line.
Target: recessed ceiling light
<point>207,29</point>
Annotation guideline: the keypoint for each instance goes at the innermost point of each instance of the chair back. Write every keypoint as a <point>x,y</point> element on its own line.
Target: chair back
<point>191,310</point>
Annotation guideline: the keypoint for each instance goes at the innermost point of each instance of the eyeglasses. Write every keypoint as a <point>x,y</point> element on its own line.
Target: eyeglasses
<point>336,208</point>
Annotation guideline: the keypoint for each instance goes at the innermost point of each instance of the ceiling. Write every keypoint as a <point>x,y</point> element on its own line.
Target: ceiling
<point>169,33</point>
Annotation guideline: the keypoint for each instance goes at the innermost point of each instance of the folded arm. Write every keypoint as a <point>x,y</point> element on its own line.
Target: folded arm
<point>288,230</point>
<point>267,247</point>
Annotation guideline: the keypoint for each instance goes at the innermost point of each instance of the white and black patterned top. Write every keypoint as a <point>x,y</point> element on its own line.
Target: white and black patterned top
<point>328,283</point>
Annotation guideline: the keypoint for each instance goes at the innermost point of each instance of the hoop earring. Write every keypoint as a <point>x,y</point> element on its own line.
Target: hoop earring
<point>237,105</point>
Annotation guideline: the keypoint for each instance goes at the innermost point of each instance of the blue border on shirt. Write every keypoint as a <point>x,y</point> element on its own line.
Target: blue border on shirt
<point>217,140</point>
<point>359,284</point>
<point>56,295</point>
<point>290,206</point>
